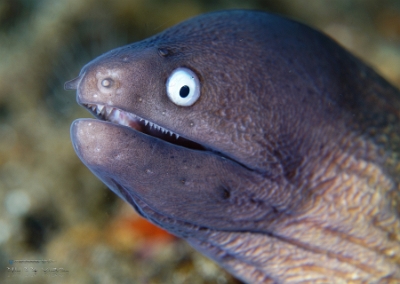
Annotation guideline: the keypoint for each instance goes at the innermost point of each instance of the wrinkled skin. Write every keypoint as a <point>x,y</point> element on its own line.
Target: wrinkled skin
<point>297,179</point>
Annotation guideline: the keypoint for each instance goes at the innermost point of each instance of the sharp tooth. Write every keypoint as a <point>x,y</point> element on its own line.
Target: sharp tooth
<point>170,133</point>
<point>99,109</point>
<point>108,110</point>
<point>151,124</point>
<point>177,136</point>
<point>145,122</point>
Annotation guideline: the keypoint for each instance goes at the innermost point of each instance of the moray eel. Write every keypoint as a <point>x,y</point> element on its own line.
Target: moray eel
<point>260,141</point>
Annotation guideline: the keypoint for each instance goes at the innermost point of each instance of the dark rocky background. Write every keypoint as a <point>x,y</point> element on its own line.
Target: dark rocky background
<point>51,206</point>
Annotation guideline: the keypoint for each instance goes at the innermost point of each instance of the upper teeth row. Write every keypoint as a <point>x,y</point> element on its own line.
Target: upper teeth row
<point>100,108</point>
<point>106,111</point>
<point>158,127</point>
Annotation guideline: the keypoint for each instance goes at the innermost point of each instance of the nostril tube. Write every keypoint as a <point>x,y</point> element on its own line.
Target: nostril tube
<point>72,84</point>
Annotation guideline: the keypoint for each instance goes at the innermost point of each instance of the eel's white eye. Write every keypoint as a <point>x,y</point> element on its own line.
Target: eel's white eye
<point>183,87</point>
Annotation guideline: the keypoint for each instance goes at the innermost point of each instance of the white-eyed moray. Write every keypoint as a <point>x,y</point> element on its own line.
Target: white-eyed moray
<point>260,141</point>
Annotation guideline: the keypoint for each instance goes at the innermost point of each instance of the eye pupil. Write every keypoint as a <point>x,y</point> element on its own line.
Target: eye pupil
<point>184,91</point>
<point>183,87</point>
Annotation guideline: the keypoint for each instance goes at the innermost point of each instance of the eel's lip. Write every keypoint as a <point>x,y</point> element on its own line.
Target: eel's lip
<point>120,117</point>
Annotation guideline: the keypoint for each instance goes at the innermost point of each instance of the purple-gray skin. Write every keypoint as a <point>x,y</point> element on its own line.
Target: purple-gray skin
<point>286,169</point>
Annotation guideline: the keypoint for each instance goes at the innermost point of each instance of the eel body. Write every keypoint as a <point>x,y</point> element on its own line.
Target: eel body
<point>259,140</point>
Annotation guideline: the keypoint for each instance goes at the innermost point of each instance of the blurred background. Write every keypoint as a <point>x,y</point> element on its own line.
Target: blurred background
<point>52,208</point>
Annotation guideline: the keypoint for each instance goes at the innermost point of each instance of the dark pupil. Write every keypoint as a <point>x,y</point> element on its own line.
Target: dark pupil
<point>184,91</point>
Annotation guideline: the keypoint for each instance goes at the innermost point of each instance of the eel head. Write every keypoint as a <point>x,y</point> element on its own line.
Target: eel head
<point>245,134</point>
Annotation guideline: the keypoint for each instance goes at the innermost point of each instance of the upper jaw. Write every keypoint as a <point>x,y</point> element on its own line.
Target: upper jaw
<point>133,121</point>
<point>118,116</point>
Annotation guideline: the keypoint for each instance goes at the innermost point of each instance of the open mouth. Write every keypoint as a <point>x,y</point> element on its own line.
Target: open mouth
<point>118,116</point>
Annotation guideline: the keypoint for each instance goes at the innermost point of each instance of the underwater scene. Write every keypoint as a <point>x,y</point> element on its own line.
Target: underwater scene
<point>58,222</point>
